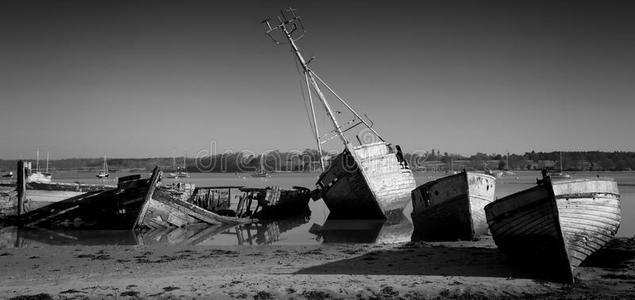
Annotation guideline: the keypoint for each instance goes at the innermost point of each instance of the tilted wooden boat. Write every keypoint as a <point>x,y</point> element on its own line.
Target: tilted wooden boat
<point>555,225</point>
<point>106,209</point>
<point>366,182</point>
<point>370,180</point>
<point>164,209</point>
<point>451,208</point>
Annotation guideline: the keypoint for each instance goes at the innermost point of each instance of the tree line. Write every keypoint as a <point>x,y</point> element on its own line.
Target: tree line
<point>308,161</point>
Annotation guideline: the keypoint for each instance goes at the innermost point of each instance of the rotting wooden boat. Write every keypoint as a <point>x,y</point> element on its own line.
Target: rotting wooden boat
<point>451,207</point>
<point>166,209</point>
<point>39,194</point>
<point>555,225</point>
<point>268,203</point>
<point>115,209</point>
<point>366,181</point>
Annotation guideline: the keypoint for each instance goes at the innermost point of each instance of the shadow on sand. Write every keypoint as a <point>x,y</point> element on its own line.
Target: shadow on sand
<point>450,259</point>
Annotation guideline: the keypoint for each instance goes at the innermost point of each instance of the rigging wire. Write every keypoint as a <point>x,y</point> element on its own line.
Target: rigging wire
<point>306,108</point>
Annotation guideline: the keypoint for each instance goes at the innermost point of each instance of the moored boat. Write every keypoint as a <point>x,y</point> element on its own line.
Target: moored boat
<point>556,225</point>
<point>104,209</point>
<point>451,208</point>
<point>366,181</point>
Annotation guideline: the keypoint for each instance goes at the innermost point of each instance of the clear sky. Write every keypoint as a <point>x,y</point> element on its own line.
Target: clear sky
<point>148,78</point>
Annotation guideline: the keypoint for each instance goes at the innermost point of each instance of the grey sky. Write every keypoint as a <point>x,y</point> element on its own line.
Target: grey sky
<point>142,78</point>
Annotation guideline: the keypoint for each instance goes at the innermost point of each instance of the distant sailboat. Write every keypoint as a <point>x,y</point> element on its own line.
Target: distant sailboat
<point>183,172</point>
<point>507,171</point>
<point>104,171</point>
<point>261,172</point>
<point>37,175</point>
<point>174,167</point>
<point>560,175</point>
<point>178,171</point>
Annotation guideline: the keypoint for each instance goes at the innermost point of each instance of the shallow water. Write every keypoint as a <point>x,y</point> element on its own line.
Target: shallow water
<point>315,230</point>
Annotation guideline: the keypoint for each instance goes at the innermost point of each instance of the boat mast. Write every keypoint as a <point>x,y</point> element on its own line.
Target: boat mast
<point>37,160</point>
<point>47,162</point>
<point>316,130</point>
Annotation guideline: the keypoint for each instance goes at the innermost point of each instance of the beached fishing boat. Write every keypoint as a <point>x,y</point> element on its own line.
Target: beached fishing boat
<point>368,180</point>
<point>556,225</point>
<point>451,208</point>
<point>105,209</point>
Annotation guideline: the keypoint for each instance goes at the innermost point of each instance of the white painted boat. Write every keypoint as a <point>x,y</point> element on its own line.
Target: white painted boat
<point>365,181</point>
<point>556,225</point>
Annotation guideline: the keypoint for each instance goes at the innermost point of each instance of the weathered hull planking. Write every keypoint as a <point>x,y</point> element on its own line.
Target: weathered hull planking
<point>107,209</point>
<point>556,225</point>
<point>366,182</point>
<point>166,210</point>
<point>451,208</point>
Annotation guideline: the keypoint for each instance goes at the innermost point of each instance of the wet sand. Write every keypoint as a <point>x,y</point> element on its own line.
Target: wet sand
<point>418,270</point>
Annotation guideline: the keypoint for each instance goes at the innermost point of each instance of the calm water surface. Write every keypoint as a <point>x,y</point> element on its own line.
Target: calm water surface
<point>314,230</point>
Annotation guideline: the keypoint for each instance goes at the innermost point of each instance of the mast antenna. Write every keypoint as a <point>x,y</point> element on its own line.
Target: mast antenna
<point>292,29</point>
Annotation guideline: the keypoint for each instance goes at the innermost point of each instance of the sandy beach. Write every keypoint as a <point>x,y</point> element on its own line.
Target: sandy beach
<point>418,270</point>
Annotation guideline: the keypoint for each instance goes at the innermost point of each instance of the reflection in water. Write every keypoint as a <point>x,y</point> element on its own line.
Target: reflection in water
<point>364,231</point>
<point>282,232</point>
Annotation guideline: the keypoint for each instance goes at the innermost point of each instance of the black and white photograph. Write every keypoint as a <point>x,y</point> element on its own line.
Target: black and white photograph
<point>305,149</point>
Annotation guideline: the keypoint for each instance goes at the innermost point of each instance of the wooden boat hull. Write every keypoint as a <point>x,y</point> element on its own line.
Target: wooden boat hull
<point>110,209</point>
<point>166,210</point>
<point>284,204</point>
<point>366,182</point>
<point>39,194</point>
<point>556,225</point>
<point>271,203</point>
<point>452,207</point>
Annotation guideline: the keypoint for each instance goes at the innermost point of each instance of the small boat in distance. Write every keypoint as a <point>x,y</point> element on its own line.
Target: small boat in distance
<point>37,175</point>
<point>104,171</point>
<point>179,172</point>
<point>561,174</point>
<point>451,208</point>
<point>261,172</point>
<point>370,180</point>
<point>556,225</point>
<point>8,175</point>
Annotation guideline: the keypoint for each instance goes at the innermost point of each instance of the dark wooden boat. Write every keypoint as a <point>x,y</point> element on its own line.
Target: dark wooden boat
<point>451,208</point>
<point>556,225</point>
<point>366,181</point>
<point>40,194</point>
<point>106,209</point>
<point>269,203</point>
